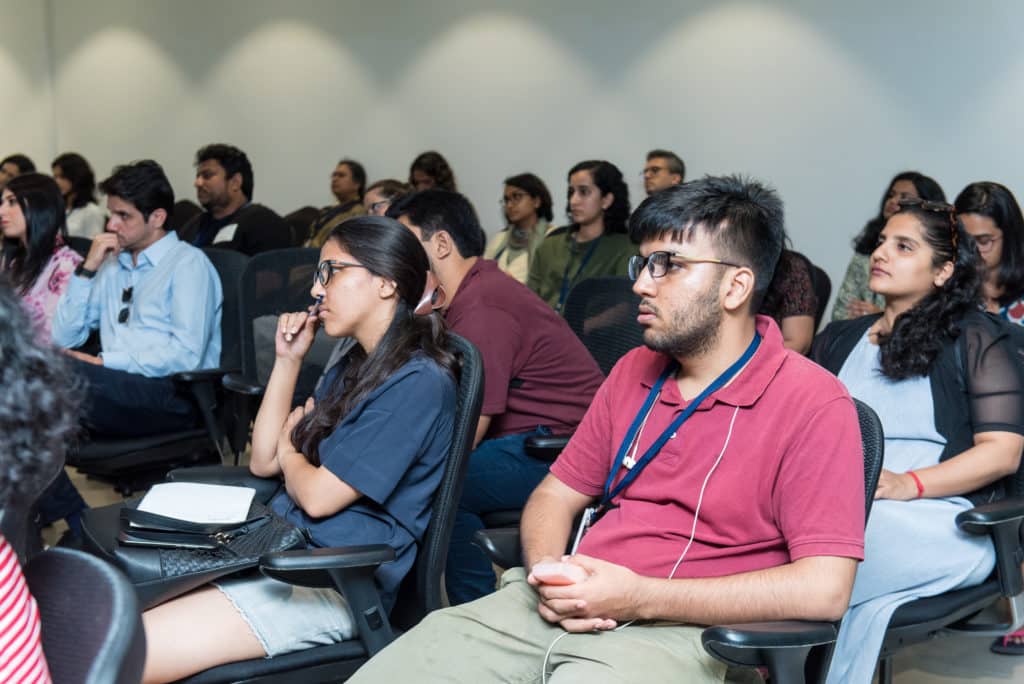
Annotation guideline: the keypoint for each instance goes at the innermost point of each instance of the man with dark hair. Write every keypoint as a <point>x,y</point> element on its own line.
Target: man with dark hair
<point>538,376</point>
<point>663,170</point>
<point>14,165</point>
<point>224,185</point>
<point>719,476</point>
<point>348,183</point>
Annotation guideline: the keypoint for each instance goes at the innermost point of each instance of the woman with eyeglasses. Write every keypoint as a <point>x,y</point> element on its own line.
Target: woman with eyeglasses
<point>360,461</point>
<point>380,195</point>
<point>594,244</point>
<point>35,258</point>
<point>946,381</point>
<point>527,207</point>
<point>854,298</point>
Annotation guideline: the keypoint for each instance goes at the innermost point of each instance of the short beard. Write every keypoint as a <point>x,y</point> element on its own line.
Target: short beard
<point>694,328</point>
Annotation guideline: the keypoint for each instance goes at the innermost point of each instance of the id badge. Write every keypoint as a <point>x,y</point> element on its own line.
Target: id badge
<point>585,522</point>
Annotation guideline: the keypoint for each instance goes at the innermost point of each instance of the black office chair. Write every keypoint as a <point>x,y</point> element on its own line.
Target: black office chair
<point>80,245</point>
<point>184,211</point>
<point>273,283</point>
<point>785,648</point>
<point>132,463</point>
<point>822,286</point>
<point>350,569</point>
<point>602,312</point>
<point>91,626</point>
<point>299,222</point>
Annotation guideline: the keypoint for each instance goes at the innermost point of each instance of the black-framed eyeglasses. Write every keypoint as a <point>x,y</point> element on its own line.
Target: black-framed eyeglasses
<point>380,206</point>
<point>326,268</point>
<point>126,299</point>
<point>657,263</point>
<point>940,207</point>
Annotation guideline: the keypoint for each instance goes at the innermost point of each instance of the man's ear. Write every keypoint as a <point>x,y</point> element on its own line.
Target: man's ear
<point>444,245</point>
<point>235,182</point>
<point>737,290</point>
<point>157,218</point>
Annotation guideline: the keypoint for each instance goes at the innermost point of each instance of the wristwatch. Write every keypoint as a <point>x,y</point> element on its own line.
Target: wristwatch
<point>83,271</point>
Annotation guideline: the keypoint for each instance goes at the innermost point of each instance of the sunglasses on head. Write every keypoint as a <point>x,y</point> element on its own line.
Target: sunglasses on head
<point>938,207</point>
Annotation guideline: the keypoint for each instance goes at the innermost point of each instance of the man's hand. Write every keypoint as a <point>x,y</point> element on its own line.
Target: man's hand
<point>102,245</point>
<point>898,486</point>
<point>82,356</point>
<point>607,597</point>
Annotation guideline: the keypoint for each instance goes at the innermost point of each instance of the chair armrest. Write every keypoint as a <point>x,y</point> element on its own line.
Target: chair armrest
<point>350,570</point>
<point>1002,520</point>
<point>213,374</point>
<point>237,476</point>
<point>545,447</point>
<point>236,383</point>
<point>782,647</point>
<point>501,545</point>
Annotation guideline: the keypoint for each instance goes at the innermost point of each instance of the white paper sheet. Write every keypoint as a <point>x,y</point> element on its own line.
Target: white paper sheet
<point>201,503</point>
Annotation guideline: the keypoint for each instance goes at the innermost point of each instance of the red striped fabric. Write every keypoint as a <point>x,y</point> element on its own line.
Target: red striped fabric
<point>21,652</point>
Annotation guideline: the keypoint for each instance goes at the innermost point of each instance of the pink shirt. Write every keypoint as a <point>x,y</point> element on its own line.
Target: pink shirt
<point>40,301</point>
<point>790,483</point>
<point>21,652</point>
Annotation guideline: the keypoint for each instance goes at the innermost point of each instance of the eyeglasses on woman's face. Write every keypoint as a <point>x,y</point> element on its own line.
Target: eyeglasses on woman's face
<point>326,268</point>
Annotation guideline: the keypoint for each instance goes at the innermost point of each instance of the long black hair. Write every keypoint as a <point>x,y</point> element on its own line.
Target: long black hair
<point>608,179</point>
<point>997,203</point>
<point>927,189</point>
<point>389,250</point>
<point>918,334</point>
<point>43,206</point>
<point>535,188</point>
<point>76,169</point>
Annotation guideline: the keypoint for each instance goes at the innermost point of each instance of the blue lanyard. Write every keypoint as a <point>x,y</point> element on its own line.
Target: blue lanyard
<point>565,275</point>
<point>652,396</point>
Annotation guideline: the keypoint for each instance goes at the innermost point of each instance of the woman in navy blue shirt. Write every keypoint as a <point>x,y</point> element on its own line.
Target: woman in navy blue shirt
<point>360,461</point>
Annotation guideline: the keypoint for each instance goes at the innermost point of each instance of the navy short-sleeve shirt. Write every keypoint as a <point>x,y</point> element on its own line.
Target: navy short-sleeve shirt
<point>391,448</point>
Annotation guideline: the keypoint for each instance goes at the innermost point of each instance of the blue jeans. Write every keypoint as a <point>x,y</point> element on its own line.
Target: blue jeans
<point>500,477</point>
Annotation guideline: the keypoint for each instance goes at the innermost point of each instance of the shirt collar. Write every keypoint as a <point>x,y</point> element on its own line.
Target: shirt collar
<point>152,254</point>
<point>752,381</point>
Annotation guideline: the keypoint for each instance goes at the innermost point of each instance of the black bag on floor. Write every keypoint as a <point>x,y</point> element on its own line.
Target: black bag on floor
<point>166,557</point>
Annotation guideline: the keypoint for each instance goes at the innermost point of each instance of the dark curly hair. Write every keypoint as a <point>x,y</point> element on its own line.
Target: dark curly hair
<point>76,169</point>
<point>435,166</point>
<point>38,404</point>
<point>919,333</point>
<point>608,179</point>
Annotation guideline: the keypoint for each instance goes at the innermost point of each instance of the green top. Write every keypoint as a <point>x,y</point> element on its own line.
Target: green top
<point>855,286</point>
<point>559,258</point>
<point>329,219</point>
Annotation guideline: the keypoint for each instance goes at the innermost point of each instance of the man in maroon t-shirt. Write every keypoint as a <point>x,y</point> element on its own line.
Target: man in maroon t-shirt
<point>538,376</point>
<point>726,471</point>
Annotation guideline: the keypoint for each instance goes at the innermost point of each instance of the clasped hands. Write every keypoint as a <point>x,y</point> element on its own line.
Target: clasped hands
<point>605,599</point>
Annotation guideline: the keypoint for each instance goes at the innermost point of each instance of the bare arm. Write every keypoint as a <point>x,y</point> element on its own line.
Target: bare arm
<point>547,520</point>
<point>993,456</point>
<point>277,399</point>
<point>317,491</point>
<point>812,588</point>
<point>797,333</point>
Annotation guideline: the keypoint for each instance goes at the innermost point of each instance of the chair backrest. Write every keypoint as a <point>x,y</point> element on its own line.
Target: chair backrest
<point>230,265</point>
<point>274,282</point>
<point>183,212</point>
<point>873,444</point>
<point>91,626</point>
<point>299,222</point>
<point>602,312</point>
<point>422,590</point>
<point>80,244</point>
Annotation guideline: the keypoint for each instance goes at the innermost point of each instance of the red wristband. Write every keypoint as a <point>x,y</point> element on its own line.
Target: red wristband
<point>917,481</point>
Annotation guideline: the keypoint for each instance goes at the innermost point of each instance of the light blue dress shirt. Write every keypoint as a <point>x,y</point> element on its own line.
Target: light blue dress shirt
<point>173,317</point>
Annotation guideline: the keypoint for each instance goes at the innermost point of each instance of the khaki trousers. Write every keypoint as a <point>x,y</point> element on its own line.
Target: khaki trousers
<point>502,638</point>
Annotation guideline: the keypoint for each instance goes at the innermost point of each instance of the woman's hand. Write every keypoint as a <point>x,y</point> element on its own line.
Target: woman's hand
<point>295,333</point>
<point>897,486</point>
<point>859,307</point>
<point>284,441</point>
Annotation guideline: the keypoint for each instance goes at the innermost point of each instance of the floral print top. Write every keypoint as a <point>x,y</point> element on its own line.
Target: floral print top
<point>1013,312</point>
<point>40,300</point>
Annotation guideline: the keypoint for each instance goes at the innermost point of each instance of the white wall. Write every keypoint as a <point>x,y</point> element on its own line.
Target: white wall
<point>824,100</point>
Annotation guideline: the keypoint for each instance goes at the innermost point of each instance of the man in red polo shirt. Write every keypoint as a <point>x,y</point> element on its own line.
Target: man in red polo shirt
<point>726,472</point>
<point>538,376</point>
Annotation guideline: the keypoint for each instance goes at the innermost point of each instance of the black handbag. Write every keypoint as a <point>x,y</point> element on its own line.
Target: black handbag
<point>166,557</point>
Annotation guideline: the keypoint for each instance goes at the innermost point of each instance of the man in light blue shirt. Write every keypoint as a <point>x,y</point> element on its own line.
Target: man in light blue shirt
<point>157,304</point>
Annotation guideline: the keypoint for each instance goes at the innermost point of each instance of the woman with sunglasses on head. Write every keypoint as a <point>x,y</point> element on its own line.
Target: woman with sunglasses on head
<point>527,205</point>
<point>34,257</point>
<point>854,298</point>
<point>360,462</point>
<point>594,244</point>
<point>946,382</point>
